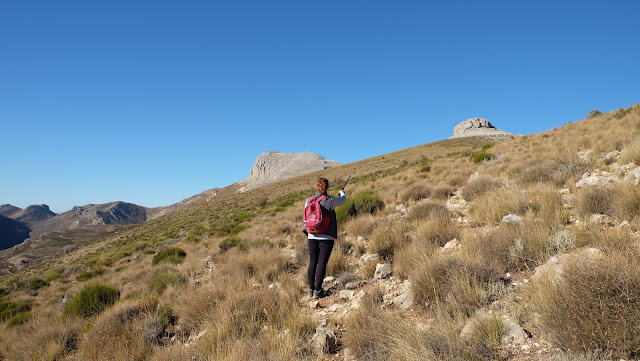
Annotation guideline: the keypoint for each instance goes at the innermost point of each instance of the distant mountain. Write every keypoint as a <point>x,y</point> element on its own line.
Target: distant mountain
<point>12,232</point>
<point>33,214</point>
<point>118,213</point>
<point>272,167</point>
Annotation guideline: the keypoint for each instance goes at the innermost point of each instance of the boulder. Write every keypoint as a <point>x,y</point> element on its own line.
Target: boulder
<point>324,341</point>
<point>404,301</point>
<point>383,270</point>
<point>511,218</point>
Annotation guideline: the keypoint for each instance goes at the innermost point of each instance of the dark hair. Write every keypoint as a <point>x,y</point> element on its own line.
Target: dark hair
<point>322,185</point>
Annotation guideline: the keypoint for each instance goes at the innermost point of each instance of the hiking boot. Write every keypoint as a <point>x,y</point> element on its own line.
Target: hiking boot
<point>320,294</point>
<point>310,292</point>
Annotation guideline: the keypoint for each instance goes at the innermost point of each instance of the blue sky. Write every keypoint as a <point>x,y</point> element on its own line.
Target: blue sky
<point>151,102</point>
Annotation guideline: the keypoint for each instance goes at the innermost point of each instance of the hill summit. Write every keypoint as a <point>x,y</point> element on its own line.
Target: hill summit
<point>271,167</point>
<point>479,127</point>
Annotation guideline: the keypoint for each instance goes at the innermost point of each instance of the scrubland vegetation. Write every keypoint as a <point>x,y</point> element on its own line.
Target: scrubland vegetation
<point>226,280</point>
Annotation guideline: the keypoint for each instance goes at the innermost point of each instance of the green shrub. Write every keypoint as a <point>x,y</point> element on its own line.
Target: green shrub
<point>87,275</point>
<point>37,283</point>
<point>92,299</point>
<point>51,275</point>
<point>481,155</point>
<point>20,318</point>
<point>242,244</point>
<point>163,280</point>
<point>360,203</point>
<point>9,309</point>
<point>166,316</point>
<point>425,166</point>
<point>170,254</point>
<point>593,113</point>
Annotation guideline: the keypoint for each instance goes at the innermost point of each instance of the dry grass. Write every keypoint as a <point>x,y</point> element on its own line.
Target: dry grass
<point>593,306</point>
<point>594,200</point>
<point>374,334</point>
<point>626,202</point>
<point>438,231</point>
<point>362,226</point>
<point>489,208</point>
<point>387,238</point>
<point>122,332</point>
<point>480,186</point>
<point>455,285</point>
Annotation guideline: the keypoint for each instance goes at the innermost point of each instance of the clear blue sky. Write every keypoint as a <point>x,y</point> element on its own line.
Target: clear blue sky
<point>151,102</point>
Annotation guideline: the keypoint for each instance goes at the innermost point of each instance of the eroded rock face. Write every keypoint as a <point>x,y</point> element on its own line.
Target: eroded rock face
<point>271,167</point>
<point>470,125</point>
<point>478,127</point>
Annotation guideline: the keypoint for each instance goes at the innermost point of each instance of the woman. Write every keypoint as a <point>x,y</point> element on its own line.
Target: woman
<point>321,244</point>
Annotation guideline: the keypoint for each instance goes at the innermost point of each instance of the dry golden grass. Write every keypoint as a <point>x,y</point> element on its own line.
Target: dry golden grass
<point>438,231</point>
<point>594,200</point>
<point>480,186</point>
<point>121,333</point>
<point>593,306</point>
<point>489,208</point>
<point>362,225</point>
<point>387,238</point>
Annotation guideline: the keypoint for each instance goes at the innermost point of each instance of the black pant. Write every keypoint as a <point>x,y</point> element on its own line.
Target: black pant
<point>319,252</point>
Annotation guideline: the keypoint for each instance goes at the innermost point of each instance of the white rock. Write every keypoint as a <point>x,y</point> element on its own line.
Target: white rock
<point>511,218</point>
<point>346,294</point>
<point>324,341</point>
<point>367,257</point>
<point>452,245</point>
<point>383,270</point>
<point>404,301</point>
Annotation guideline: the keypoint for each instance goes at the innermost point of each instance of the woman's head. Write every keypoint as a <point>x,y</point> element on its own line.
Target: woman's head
<point>322,185</point>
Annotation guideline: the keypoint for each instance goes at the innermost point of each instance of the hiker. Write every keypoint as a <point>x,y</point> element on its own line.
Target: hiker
<point>321,244</point>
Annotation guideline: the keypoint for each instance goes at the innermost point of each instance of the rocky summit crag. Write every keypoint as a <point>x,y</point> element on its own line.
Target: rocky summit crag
<point>474,127</point>
<point>271,167</point>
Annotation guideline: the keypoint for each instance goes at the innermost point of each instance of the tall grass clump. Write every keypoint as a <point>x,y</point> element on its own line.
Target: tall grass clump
<point>362,226</point>
<point>364,202</point>
<point>378,335</point>
<point>388,238</point>
<point>490,207</point>
<point>594,200</point>
<point>161,281</point>
<point>626,202</point>
<point>631,152</point>
<point>9,309</point>
<point>593,305</point>
<point>173,255</point>
<point>453,284</point>
<point>92,299</point>
<point>480,186</point>
<point>416,192</point>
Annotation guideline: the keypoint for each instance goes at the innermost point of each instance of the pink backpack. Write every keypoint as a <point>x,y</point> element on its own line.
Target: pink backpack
<point>315,217</point>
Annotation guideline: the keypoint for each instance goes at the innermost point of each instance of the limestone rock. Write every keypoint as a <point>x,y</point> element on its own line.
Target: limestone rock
<point>511,218</point>
<point>324,341</point>
<point>383,270</point>
<point>591,180</point>
<point>478,127</point>
<point>404,301</point>
<point>271,167</point>
<point>346,294</point>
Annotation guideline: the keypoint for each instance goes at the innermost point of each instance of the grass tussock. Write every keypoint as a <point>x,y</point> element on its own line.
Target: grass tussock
<point>387,238</point>
<point>489,208</point>
<point>456,285</point>
<point>416,193</point>
<point>480,186</point>
<point>593,306</point>
<point>594,200</point>
<point>129,330</point>
<point>92,299</point>
<point>173,255</point>
<point>362,226</point>
<point>375,334</point>
<point>49,338</point>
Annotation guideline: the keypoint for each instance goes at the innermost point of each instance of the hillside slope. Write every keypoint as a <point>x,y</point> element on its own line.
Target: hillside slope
<point>510,251</point>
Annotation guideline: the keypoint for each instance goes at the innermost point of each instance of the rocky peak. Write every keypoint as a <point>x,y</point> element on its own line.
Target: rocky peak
<point>271,167</point>
<point>478,127</point>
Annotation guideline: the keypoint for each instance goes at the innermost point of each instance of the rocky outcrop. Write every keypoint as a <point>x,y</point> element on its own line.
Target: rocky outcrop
<point>479,127</point>
<point>271,167</point>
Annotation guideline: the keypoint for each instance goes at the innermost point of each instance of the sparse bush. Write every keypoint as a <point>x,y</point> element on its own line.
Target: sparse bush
<point>170,254</point>
<point>365,202</point>
<point>480,186</point>
<point>442,192</point>
<point>594,306</point>
<point>425,166</point>
<point>51,275</point>
<point>427,210</point>
<point>594,113</point>
<point>416,192</point>
<point>481,155</point>
<point>92,299</point>
<point>561,240</point>
<point>37,283</point>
